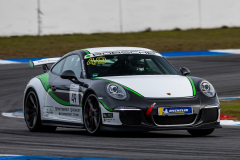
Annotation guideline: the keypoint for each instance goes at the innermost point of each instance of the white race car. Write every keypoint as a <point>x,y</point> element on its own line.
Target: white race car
<point>119,89</point>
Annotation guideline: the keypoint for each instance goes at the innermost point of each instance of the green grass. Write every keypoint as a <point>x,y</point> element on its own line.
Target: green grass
<point>162,41</point>
<point>231,108</point>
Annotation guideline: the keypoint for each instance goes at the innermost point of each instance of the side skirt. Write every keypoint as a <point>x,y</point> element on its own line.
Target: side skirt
<point>62,124</point>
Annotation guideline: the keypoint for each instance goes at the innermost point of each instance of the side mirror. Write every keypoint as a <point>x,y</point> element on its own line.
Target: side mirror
<point>184,71</point>
<point>68,74</point>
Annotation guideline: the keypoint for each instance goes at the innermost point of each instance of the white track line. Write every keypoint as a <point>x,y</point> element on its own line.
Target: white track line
<point>13,115</point>
<point>231,51</point>
<point>7,62</point>
<point>9,155</point>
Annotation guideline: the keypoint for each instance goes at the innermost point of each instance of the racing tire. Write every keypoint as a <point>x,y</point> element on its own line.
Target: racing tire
<point>32,114</point>
<point>92,115</point>
<point>200,132</point>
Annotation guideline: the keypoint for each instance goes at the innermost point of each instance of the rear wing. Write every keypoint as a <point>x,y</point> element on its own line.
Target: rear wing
<point>43,62</point>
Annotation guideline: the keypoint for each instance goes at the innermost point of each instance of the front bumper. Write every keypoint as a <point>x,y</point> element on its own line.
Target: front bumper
<point>127,120</point>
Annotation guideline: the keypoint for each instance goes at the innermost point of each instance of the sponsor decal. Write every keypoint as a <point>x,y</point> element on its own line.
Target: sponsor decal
<point>99,60</point>
<point>68,112</point>
<point>74,87</point>
<point>174,110</point>
<point>73,112</point>
<point>94,74</point>
<point>61,109</point>
<point>49,110</point>
<point>108,120</point>
<point>107,115</point>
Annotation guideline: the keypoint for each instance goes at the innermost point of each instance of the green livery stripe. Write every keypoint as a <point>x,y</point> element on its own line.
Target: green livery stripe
<point>86,51</point>
<point>44,78</point>
<point>131,90</point>
<point>31,64</point>
<point>104,105</point>
<point>121,85</point>
<point>193,86</point>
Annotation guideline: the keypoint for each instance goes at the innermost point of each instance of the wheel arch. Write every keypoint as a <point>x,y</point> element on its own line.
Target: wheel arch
<point>37,86</point>
<point>26,92</point>
<point>86,93</point>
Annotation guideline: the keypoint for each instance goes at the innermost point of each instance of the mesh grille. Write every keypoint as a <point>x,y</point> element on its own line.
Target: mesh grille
<point>174,120</point>
<point>131,117</point>
<point>209,115</point>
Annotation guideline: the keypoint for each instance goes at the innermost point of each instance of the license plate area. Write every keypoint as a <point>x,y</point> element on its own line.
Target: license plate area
<point>168,111</point>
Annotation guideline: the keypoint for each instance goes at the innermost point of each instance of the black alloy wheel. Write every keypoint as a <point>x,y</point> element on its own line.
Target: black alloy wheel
<point>92,115</point>
<point>32,113</point>
<point>200,132</point>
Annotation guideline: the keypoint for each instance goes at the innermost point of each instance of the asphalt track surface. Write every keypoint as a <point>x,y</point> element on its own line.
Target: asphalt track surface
<point>222,71</point>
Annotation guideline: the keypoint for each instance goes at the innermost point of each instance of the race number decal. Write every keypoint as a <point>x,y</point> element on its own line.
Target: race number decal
<point>74,98</point>
<point>73,94</point>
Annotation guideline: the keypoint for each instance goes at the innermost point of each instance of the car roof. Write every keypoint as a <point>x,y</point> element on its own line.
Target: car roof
<point>104,49</point>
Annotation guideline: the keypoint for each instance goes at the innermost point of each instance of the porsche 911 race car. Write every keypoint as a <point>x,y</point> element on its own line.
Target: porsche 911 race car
<point>119,89</point>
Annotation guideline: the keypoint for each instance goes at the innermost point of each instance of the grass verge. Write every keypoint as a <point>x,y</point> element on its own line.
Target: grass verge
<point>231,108</point>
<point>162,41</point>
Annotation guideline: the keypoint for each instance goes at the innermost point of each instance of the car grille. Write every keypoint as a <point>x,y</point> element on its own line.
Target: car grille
<point>131,117</point>
<point>209,115</point>
<point>174,120</point>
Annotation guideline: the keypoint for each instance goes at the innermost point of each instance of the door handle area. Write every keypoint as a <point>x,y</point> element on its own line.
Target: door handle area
<point>53,88</point>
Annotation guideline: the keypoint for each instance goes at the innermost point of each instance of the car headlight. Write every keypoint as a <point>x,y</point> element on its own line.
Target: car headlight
<point>116,91</point>
<point>207,88</point>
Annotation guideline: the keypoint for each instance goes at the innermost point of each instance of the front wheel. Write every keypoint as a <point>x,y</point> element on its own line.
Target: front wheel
<point>200,132</point>
<point>92,115</point>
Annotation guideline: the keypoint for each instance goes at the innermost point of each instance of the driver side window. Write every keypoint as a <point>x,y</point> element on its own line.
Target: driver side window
<point>73,63</point>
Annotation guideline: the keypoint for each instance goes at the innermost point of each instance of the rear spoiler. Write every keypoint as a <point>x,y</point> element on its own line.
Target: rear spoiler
<point>43,62</point>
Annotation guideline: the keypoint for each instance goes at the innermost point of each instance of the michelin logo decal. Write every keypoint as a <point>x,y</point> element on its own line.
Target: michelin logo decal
<point>174,110</point>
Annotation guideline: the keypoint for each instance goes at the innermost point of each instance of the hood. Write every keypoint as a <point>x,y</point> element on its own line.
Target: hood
<point>156,86</point>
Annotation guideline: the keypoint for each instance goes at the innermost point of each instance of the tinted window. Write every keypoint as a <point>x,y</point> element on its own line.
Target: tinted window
<point>57,68</point>
<point>134,64</point>
<point>73,63</point>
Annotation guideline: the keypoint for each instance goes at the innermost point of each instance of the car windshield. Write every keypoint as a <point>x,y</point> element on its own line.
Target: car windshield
<point>123,65</point>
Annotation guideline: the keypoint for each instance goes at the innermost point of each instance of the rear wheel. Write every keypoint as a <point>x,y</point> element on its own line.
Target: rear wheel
<point>92,115</point>
<point>200,132</point>
<point>32,113</point>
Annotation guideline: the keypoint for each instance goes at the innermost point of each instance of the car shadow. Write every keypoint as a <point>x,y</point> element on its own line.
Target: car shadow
<point>152,134</point>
